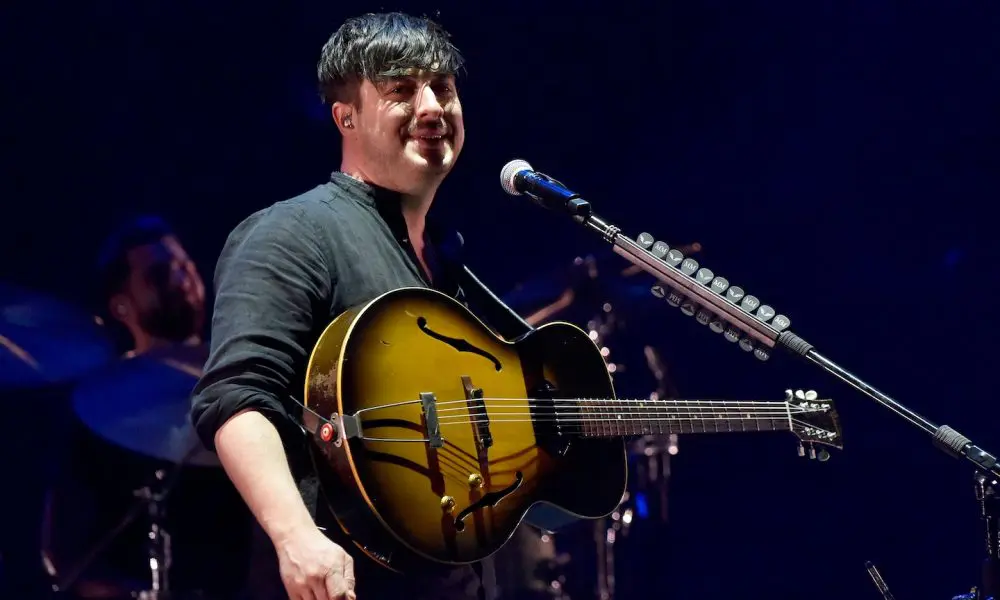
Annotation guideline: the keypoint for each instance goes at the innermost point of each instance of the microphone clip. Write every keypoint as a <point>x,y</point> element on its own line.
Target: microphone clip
<point>553,194</point>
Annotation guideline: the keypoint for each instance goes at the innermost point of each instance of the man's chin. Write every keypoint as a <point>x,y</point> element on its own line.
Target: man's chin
<point>434,162</point>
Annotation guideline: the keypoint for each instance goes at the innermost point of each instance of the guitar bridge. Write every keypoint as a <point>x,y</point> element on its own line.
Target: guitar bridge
<point>477,410</point>
<point>428,403</point>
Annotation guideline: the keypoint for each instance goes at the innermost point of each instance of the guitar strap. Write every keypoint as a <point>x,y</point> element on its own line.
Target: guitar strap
<point>501,317</point>
<point>508,323</point>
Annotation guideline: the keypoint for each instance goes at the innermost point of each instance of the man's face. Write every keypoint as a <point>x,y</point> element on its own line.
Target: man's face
<point>164,292</point>
<point>409,130</point>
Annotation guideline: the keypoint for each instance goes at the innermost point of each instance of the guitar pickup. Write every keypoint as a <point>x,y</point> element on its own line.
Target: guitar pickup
<point>428,404</point>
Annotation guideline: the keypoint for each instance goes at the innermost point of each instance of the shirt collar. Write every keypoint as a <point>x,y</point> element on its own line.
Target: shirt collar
<point>387,203</point>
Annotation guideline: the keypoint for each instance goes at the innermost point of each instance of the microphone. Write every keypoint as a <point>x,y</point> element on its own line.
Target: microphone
<point>518,177</point>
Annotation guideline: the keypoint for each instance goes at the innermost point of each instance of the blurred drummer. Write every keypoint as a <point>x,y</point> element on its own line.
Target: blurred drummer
<point>151,287</point>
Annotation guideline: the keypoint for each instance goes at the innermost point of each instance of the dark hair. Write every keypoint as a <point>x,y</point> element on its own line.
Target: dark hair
<point>112,262</point>
<point>377,46</point>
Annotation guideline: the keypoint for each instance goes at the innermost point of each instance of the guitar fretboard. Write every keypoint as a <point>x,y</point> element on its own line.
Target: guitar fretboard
<point>615,418</point>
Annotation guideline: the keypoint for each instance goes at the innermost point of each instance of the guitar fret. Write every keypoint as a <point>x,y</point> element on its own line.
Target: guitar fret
<point>624,418</point>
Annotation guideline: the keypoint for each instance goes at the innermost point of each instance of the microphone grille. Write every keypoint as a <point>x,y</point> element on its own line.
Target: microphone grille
<point>509,171</point>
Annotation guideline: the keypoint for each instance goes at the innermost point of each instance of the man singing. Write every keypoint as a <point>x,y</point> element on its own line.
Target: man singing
<point>286,271</point>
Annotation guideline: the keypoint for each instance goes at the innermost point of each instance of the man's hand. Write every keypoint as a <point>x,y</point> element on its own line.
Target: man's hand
<point>314,568</point>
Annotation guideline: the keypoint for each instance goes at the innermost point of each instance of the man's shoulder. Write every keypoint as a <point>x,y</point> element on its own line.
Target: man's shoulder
<point>297,218</point>
<point>307,206</point>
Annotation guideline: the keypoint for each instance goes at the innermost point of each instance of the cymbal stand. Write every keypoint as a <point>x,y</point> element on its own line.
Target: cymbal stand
<point>989,506</point>
<point>160,557</point>
<point>150,500</point>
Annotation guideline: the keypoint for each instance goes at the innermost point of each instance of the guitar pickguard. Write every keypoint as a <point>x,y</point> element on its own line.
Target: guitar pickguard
<point>458,344</point>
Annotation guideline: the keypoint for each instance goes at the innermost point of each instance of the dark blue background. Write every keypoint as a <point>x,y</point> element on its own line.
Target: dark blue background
<point>838,160</point>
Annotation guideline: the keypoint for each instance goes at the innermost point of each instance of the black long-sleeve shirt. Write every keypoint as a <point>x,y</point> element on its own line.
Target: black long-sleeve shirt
<point>284,274</point>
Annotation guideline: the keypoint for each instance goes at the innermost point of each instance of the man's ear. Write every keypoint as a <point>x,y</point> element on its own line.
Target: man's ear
<point>119,307</point>
<point>343,116</point>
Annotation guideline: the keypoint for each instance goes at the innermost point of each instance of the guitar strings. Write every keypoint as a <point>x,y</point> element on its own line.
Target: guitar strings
<point>585,421</point>
<point>613,402</point>
<point>486,417</point>
<point>605,410</point>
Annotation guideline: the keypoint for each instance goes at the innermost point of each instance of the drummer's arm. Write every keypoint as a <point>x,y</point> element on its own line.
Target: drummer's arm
<point>271,274</point>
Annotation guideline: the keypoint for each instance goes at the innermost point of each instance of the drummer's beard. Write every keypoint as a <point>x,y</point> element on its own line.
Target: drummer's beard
<point>176,319</point>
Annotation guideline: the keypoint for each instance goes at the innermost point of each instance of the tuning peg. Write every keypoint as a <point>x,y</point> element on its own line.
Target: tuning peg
<point>735,294</point>
<point>688,308</point>
<point>762,353</point>
<point>658,290</point>
<point>788,395</point>
<point>717,325</point>
<point>732,334</point>
<point>811,395</point>
<point>703,317</point>
<point>674,257</point>
<point>689,266</point>
<point>746,344</point>
<point>645,240</point>
<point>674,299</point>
<point>800,395</point>
<point>823,455</point>
<point>812,451</point>
<point>802,449</point>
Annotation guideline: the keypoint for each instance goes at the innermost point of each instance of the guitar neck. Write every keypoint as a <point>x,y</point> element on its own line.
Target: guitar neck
<point>623,418</point>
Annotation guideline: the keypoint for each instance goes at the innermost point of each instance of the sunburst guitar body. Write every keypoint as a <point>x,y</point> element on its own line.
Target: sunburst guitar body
<point>434,437</point>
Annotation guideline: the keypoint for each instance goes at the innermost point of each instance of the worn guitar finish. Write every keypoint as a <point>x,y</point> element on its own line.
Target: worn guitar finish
<point>429,448</point>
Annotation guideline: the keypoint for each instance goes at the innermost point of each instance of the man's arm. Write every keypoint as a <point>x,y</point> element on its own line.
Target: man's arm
<point>271,276</point>
<point>252,453</point>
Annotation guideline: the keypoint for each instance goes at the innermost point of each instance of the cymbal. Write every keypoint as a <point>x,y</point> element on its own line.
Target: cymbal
<point>141,404</point>
<point>44,340</point>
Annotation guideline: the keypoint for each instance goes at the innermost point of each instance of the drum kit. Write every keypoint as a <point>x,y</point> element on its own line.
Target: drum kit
<point>580,561</point>
<point>110,490</point>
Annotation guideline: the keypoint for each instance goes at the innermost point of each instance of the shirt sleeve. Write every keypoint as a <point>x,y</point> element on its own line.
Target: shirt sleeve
<point>271,279</point>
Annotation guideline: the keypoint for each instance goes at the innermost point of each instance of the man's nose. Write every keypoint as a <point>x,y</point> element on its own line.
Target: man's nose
<point>428,106</point>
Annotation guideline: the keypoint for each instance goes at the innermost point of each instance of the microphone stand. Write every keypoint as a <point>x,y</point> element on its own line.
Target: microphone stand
<point>757,328</point>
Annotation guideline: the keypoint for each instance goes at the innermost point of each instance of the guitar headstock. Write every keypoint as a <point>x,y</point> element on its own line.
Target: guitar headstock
<point>814,421</point>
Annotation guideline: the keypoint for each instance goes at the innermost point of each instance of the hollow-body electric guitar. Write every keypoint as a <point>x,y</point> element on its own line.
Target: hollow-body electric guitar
<point>434,437</point>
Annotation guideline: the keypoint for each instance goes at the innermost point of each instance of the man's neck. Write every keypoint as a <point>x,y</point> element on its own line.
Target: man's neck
<point>414,206</point>
<point>415,214</point>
